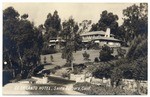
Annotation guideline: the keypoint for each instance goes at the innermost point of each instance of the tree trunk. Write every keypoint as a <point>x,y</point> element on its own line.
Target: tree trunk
<point>10,61</point>
<point>13,70</point>
<point>72,67</point>
<point>20,58</point>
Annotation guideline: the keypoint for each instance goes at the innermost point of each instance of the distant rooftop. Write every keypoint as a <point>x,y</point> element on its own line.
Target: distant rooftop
<point>108,39</point>
<point>94,33</point>
<point>103,38</point>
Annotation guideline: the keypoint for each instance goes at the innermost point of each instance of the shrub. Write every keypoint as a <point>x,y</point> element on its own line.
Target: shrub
<point>45,60</point>
<point>95,46</point>
<point>77,70</point>
<point>86,55</point>
<point>121,52</point>
<point>57,67</point>
<point>51,57</point>
<point>67,65</point>
<point>105,53</point>
<point>53,71</point>
<point>104,71</point>
<point>88,63</point>
<point>96,59</point>
<point>64,75</point>
<point>48,50</point>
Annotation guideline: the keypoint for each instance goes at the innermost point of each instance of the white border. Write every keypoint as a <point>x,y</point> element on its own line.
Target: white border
<point>71,1</point>
<point>104,1</point>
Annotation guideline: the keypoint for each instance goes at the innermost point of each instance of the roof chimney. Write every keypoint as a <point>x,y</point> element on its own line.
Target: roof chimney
<point>107,33</point>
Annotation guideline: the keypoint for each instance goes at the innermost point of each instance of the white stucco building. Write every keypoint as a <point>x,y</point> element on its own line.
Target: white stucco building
<point>101,38</point>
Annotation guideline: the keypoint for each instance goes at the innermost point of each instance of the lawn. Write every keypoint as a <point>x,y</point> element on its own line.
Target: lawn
<point>78,57</point>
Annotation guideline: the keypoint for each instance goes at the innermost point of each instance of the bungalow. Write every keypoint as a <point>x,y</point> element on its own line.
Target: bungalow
<point>56,43</point>
<point>101,38</point>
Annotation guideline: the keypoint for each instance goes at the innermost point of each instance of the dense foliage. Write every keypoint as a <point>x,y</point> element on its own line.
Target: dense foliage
<point>52,25</point>
<point>107,20</point>
<point>69,29</point>
<point>106,53</point>
<point>135,22</point>
<point>134,64</point>
<point>22,42</point>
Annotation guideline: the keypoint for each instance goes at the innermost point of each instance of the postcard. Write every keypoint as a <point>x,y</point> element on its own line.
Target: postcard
<point>52,48</point>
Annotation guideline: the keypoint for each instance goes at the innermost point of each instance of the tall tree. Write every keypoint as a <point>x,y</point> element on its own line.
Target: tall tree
<point>107,20</point>
<point>69,33</point>
<point>94,27</point>
<point>10,17</point>
<point>21,41</point>
<point>135,21</point>
<point>84,26</point>
<point>136,30</point>
<point>121,33</point>
<point>105,54</point>
<point>52,25</point>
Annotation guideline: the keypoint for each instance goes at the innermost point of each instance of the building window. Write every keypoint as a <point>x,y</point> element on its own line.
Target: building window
<point>110,43</point>
<point>118,44</point>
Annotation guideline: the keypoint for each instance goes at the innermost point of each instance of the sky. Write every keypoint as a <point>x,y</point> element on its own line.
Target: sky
<point>38,11</point>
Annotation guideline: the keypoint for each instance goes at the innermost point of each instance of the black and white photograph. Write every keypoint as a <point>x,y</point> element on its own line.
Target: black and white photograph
<point>74,48</point>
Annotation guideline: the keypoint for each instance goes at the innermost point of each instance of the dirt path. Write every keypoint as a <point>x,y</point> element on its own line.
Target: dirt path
<point>19,89</point>
<point>15,89</point>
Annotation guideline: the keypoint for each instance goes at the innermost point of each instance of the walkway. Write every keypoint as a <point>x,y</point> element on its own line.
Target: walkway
<point>24,88</point>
